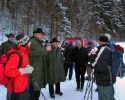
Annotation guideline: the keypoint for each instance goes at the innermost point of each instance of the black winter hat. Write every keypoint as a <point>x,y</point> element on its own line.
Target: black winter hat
<point>55,40</point>
<point>89,43</point>
<point>9,35</point>
<point>22,39</point>
<point>39,30</point>
<point>46,41</point>
<point>103,38</point>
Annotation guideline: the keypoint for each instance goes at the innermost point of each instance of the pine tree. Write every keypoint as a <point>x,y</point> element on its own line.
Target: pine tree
<point>108,15</point>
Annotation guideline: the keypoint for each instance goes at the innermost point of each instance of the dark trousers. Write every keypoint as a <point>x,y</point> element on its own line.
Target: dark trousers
<point>70,69</point>
<point>19,96</point>
<point>57,88</point>
<point>34,94</point>
<point>106,92</point>
<point>80,75</point>
<point>8,1</point>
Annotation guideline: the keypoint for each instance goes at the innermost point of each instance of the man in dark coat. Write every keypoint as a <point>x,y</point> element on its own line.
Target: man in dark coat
<point>80,58</point>
<point>68,64</point>
<point>5,46</point>
<point>56,72</point>
<point>37,57</point>
<point>103,75</point>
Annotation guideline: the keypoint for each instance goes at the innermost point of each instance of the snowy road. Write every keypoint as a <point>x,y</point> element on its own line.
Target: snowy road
<point>68,88</point>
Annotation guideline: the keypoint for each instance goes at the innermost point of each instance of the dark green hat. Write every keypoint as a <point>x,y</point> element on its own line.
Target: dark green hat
<point>9,35</point>
<point>55,40</point>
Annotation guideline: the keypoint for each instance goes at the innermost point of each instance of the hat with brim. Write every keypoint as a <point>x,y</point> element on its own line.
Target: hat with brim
<point>39,30</point>
<point>9,35</point>
<point>54,40</point>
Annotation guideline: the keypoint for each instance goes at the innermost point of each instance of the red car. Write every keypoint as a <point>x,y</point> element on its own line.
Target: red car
<point>75,39</point>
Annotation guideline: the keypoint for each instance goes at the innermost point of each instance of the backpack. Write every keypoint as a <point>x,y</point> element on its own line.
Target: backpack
<point>121,71</point>
<point>118,67</point>
<point>3,61</point>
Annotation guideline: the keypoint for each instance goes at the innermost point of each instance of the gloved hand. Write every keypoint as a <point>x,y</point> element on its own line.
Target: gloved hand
<point>27,70</point>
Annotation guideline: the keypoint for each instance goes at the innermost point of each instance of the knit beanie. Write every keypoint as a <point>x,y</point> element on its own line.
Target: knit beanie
<point>22,39</point>
<point>103,38</point>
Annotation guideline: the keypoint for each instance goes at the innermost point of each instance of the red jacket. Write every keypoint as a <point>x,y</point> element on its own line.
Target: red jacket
<point>3,78</point>
<point>11,70</point>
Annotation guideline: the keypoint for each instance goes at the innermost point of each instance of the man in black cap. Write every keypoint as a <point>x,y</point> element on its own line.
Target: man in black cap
<point>37,57</point>
<point>5,46</point>
<point>102,65</point>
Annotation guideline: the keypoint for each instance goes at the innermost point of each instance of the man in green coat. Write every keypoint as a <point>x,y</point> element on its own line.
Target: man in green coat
<point>37,57</point>
<point>5,46</point>
<point>56,72</point>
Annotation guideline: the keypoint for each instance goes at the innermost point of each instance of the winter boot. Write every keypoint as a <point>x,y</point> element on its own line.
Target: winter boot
<point>81,86</point>
<point>52,96</point>
<point>78,86</point>
<point>59,93</point>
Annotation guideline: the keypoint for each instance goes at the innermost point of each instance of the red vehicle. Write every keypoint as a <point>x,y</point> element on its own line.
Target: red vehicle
<point>75,39</point>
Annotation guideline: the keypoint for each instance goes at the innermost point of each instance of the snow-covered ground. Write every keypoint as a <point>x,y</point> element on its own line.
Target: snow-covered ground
<point>69,91</point>
<point>68,88</point>
<point>2,93</point>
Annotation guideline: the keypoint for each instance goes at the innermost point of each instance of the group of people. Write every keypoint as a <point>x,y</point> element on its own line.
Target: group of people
<point>31,66</point>
<point>36,64</point>
<point>98,59</point>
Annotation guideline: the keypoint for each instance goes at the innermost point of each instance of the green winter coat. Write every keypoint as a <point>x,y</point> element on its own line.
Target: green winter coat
<point>37,58</point>
<point>5,46</point>
<point>55,61</point>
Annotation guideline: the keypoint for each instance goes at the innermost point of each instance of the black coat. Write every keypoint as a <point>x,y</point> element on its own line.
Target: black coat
<point>102,73</point>
<point>67,55</point>
<point>80,56</point>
